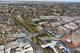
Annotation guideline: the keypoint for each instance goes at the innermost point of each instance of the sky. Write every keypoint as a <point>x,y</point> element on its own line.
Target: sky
<point>46,0</point>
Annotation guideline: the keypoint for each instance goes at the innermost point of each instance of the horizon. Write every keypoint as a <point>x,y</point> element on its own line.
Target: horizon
<point>41,0</point>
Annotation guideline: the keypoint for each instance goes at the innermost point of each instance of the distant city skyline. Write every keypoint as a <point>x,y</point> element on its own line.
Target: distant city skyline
<point>46,0</point>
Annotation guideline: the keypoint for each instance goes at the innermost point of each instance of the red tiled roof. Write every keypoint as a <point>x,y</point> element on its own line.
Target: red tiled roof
<point>63,39</point>
<point>71,45</point>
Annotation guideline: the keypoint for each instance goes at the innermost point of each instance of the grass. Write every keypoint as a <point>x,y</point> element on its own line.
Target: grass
<point>28,28</point>
<point>48,41</point>
<point>47,50</point>
<point>36,40</point>
<point>2,42</point>
<point>58,50</point>
<point>76,51</point>
<point>44,35</point>
<point>25,24</point>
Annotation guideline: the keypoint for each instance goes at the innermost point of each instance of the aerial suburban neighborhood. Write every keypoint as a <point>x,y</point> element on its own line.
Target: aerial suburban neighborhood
<point>39,27</point>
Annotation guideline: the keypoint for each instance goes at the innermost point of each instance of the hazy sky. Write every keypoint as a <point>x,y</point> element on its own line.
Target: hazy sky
<point>45,0</point>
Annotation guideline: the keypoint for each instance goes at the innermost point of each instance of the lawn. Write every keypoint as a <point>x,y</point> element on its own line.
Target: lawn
<point>36,40</point>
<point>47,50</point>
<point>44,35</point>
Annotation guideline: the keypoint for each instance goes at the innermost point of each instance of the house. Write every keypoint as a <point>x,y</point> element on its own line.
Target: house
<point>2,48</point>
<point>62,30</point>
<point>76,38</point>
<point>67,39</point>
<point>71,25</point>
<point>20,46</point>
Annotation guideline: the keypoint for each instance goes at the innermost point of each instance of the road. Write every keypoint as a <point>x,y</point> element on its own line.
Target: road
<point>67,22</point>
<point>28,36</point>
